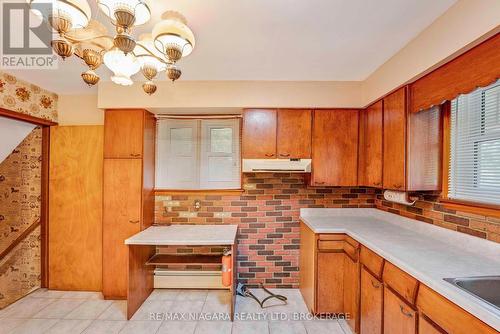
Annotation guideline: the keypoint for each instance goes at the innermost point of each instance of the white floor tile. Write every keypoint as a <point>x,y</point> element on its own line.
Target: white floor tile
<point>46,293</point>
<point>26,307</point>
<point>82,295</point>
<point>163,294</point>
<point>105,327</point>
<point>69,326</point>
<point>58,309</point>
<point>250,327</point>
<point>141,327</point>
<point>345,326</point>
<point>192,295</point>
<point>186,307</point>
<point>150,309</point>
<point>286,327</point>
<point>217,302</point>
<point>34,326</point>
<point>7,325</point>
<point>177,327</point>
<point>323,327</point>
<point>89,309</point>
<point>116,311</point>
<point>213,327</point>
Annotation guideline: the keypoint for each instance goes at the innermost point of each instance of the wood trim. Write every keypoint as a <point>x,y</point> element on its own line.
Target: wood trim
<point>198,191</point>
<point>26,118</point>
<point>477,208</point>
<point>44,207</point>
<point>20,238</point>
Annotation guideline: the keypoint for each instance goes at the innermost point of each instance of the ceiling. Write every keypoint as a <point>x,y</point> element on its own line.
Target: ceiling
<point>282,40</point>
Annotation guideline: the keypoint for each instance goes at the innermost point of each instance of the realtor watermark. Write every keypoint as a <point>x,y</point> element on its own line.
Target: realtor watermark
<point>245,316</point>
<point>26,37</point>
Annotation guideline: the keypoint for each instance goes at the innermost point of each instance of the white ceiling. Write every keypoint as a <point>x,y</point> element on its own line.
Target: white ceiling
<point>297,40</point>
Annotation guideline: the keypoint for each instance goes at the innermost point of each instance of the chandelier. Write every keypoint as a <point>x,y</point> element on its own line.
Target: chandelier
<point>79,35</point>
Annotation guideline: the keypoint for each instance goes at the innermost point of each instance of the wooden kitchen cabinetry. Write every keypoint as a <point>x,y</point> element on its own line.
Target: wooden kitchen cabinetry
<point>399,317</point>
<point>372,292</point>
<point>412,145</point>
<point>371,145</point>
<point>128,198</point>
<point>335,148</point>
<point>276,133</point>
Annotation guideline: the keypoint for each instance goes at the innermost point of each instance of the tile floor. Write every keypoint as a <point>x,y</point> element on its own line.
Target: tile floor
<point>165,311</point>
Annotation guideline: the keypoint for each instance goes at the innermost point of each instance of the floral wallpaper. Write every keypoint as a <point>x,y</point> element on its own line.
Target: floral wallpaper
<point>21,96</point>
<point>20,192</point>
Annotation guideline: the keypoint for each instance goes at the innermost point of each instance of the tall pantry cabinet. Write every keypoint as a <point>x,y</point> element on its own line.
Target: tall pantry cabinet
<point>128,190</point>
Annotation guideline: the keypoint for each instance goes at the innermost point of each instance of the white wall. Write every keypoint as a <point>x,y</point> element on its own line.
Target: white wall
<point>79,110</point>
<point>12,132</point>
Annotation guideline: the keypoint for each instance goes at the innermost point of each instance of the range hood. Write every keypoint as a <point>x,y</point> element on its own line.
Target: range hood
<point>277,165</point>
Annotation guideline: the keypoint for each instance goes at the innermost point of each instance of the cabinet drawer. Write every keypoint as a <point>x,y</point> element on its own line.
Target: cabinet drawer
<point>351,251</point>
<point>447,315</point>
<point>405,285</point>
<point>331,237</point>
<point>331,245</point>
<point>372,261</point>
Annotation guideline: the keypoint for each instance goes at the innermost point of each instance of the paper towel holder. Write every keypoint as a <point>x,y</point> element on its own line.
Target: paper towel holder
<point>400,197</point>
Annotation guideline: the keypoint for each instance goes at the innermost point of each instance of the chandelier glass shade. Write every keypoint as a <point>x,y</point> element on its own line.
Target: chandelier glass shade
<point>88,39</point>
<point>122,65</point>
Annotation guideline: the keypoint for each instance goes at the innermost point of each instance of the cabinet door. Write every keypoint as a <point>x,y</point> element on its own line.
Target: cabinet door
<point>426,327</point>
<point>259,134</point>
<point>372,296</point>
<point>399,318</point>
<point>351,292</point>
<point>294,133</point>
<point>335,147</point>
<point>121,219</point>
<point>123,133</point>
<point>371,144</point>
<point>330,283</point>
<point>395,140</point>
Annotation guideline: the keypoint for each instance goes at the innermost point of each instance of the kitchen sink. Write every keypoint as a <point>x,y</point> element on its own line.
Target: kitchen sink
<point>486,288</point>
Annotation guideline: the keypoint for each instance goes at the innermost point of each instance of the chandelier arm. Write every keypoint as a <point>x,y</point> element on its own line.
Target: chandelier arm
<point>150,54</point>
<point>89,39</point>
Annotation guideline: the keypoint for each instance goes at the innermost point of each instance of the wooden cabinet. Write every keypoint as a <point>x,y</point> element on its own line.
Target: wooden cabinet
<point>259,133</point>
<point>401,282</point>
<point>426,327</point>
<point>371,145</point>
<point>412,145</point>
<point>351,286</point>
<point>330,288</point>
<point>123,133</point>
<point>335,147</point>
<point>371,304</point>
<point>395,140</point>
<point>128,192</point>
<point>121,219</point>
<point>399,317</point>
<point>271,133</point>
<point>294,134</point>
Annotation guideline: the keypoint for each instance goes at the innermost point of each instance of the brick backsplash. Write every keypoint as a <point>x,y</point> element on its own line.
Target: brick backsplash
<point>267,213</point>
<point>429,210</point>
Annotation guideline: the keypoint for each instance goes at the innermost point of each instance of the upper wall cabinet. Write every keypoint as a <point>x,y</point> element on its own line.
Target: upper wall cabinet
<point>412,145</point>
<point>271,133</point>
<point>335,147</point>
<point>371,145</point>
<point>123,133</point>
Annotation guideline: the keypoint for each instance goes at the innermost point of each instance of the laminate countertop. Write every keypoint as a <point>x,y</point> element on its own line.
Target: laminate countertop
<point>186,235</point>
<point>426,252</point>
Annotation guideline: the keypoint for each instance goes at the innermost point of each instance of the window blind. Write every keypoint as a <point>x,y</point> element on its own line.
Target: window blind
<point>474,168</point>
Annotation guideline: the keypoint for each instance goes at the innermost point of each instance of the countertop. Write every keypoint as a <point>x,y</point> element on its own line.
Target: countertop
<point>426,252</point>
<point>188,235</point>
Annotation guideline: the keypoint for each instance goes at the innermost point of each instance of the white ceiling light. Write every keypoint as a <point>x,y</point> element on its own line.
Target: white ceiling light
<point>139,10</point>
<point>173,37</point>
<point>64,14</point>
<point>123,66</point>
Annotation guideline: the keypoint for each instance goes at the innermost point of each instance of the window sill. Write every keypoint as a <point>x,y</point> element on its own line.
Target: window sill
<point>471,207</point>
<point>198,191</point>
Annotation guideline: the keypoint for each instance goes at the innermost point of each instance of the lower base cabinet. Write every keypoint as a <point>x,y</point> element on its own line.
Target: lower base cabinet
<point>330,286</point>
<point>426,327</point>
<point>371,304</point>
<point>399,318</point>
<point>351,291</point>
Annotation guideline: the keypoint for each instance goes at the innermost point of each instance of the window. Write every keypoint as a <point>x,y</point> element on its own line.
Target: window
<point>474,166</point>
<point>198,154</point>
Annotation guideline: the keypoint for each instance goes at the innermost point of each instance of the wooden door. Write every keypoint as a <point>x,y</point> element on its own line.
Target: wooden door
<point>330,283</point>
<point>399,318</point>
<point>259,134</point>
<point>351,292</point>
<point>426,327</point>
<point>121,219</point>
<point>335,147</point>
<point>294,133</point>
<point>123,133</point>
<point>371,304</point>
<point>394,175</point>
<point>371,145</point>
<point>75,207</point>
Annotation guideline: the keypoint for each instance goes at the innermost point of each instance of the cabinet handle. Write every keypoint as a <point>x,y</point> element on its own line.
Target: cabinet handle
<point>397,186</point>
<point>135,154</point>
<point>269,155</point>
<point>316,182</point>
<point>408,314</point>
<point>285,154</point>
<point>375,285</point>
<point>134,221</point>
